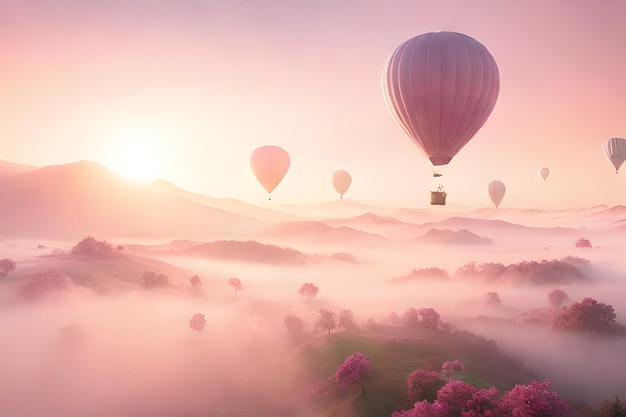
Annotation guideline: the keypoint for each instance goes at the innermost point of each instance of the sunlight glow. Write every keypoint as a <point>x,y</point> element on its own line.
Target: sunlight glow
<point>138,154</point>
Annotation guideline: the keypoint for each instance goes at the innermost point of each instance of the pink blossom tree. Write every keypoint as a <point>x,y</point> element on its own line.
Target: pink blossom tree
<point>236,284</point>
<point>356,369</point>
<point>195,281</point>
<point>326,320</point>
<point>456,394</point>
<point>7,266</point>
<point>582,243</point>
<point>423,385</point>
<point>308,290</point>
<point>450,368</point>
<point>589,315</point>
<point>346,319</point>
<point>535,399</point>
<point>557,298</point>
<point>197,322</point>
<point>484,402</point>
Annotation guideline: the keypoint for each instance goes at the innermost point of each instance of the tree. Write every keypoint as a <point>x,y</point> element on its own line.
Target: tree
<point>535,399</point>
<point>356,369</point>
<point>615,408</point>
<point>588,315</point>
<point>582,243</point>
<point>308,290</point>
<point>346,319</point>
<point>293,324</point>
<point>7,266</point>
<point>44,282</point>
<point>557,298</point>
<point>326,320</point>
<point>195,281</point>
<point>236,284</point>
<point>493,299</point>
<point>450,368</point>
<point>152,280</point>
<point>423,385</point>
<point>429,318</point>
<point>91,246</point>
<point>197,322</point>
<point>455,395</point>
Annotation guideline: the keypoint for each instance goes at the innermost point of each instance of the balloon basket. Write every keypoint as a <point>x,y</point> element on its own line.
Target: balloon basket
<point>438,198</point>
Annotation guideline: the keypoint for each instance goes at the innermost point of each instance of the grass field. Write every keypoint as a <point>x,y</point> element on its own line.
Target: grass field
<point>395,352</point>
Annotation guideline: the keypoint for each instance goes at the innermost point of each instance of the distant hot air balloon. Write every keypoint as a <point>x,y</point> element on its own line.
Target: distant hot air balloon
<point>543,173</point>
<point>615,151</point>
<point>341,181</point>
<point>440,88</point>
<point>269,164</point>
<point>497,189</point>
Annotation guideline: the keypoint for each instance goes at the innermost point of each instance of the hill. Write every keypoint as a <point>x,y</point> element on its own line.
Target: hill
<point>8,169</point>
<point>461,237</point>
<point>315,232</point>
<point>395,352</point>
<point>83,198</point>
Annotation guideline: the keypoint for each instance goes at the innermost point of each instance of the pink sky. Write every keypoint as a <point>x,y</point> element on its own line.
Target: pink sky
<point>209,81</point>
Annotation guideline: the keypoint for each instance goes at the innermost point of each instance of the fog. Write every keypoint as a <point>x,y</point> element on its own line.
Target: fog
<point>130,351</point>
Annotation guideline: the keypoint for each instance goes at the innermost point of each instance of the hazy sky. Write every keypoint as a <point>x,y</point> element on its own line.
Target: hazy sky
<point>196,85</point>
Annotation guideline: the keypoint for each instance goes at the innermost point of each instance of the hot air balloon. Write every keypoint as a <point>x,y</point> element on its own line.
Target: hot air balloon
<point>615,151</point>
<point>441,87</point>
<point>543,173</point>
<point>269,164</point>
<point>341,181</point>
<point>497,189</point>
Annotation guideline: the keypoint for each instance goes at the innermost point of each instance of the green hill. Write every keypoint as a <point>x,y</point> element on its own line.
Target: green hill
<point>395,352</point>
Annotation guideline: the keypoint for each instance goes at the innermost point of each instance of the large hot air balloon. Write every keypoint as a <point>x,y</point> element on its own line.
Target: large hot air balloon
<point>497,189</point>
<point>543,173</point>
<point>615,151</point>
<point>341,181</point>
<point>440,88</point>
<point>269,164</point>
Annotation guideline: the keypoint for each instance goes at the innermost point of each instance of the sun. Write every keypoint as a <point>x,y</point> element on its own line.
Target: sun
<point>137,154</point>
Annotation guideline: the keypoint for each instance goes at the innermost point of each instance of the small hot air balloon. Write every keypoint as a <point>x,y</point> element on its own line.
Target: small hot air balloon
<point>543,173</point>
<point>615,151</point>
<point>441,87</point>
<point>497,189</point>
<point>269,164</point>
<point>341,181</point>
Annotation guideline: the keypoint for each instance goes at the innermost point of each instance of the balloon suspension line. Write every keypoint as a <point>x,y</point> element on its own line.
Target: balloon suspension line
<point>341,198</point>
<point>269,196</point>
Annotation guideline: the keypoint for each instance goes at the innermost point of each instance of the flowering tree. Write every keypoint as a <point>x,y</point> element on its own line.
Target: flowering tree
<point>588,315</point>
<point>557,298</point>
<point>236,284</point>
<point>423,385</point>
<point>326,319</point>
<point>346,319</point>
<point>536,399</point>
<point>354,370</point>
<point>450,368</point>
<point>195,281</point>
<point>484,402</point>
<point>197,322</point>
<point>308,290</point>
<point>6,266</point>
<point>582,243</point>
<point>428,317</point>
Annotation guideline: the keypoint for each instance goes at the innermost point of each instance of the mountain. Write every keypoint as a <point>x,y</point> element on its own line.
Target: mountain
<point>83,198</point>
<point>8,169</point>
<point>460,237</point>
<point>369,222</point>
<point>330,209</point>
<point>315,232</point>
<point>240,251</point>
<point>227,204</point>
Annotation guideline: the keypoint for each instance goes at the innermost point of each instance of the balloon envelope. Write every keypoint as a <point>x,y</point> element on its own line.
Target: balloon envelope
<point>341,181</point>
<point>497,189</point>
<point>544,172</point>
<point>269,164</point>
<point>615,150</point>
<point>440,88</point>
